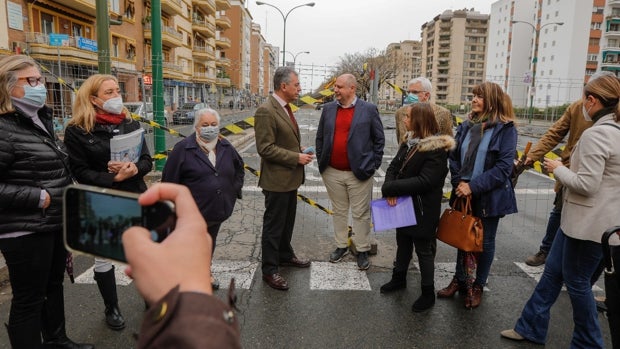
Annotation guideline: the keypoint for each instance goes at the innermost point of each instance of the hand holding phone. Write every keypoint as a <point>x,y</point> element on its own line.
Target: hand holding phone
<point>95,219</point>
<point>184,258</point>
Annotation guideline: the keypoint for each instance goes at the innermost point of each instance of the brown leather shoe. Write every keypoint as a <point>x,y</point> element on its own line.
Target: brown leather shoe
<point>450,290</point>
<point>296,262</point>
<point>276,281</point>
<point>474,298</point>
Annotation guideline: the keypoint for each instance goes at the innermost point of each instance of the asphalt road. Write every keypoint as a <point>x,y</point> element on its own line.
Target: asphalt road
<point>335,305</point>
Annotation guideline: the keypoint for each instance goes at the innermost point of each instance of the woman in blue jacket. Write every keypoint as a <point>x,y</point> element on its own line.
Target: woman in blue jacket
<point>212,170</point>
<point>480,167</point>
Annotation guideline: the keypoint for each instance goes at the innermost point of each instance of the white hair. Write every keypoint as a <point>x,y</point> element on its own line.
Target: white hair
<point>426,83</point>
<point>205,111</point>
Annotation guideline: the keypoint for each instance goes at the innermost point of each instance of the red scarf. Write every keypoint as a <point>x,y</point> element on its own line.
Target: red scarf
<point>109,119</point>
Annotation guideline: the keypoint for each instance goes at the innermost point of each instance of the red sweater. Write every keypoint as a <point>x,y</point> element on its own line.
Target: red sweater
<point>340,158</point>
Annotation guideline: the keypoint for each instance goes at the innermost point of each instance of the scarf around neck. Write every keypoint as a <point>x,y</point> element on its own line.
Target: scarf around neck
<point>476,127</point>
<point>109,119</point>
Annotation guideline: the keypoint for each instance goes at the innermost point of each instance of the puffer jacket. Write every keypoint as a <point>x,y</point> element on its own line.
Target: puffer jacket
<point>30,160</point>
<point>422,178</point>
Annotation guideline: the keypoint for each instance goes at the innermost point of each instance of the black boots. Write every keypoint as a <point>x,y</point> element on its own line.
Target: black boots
<point>398,282</point>
<point>58,339</point>
<point>426,300</point>
<point>107,286</point>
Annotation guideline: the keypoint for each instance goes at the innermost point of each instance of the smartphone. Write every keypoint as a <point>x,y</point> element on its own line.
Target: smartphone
<point>95,218</point>
<point>309,150</point>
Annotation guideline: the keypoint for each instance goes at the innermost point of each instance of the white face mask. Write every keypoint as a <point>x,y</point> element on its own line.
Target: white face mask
<point>209,133</point>
<point>113,105</point>
<point>586,112</point>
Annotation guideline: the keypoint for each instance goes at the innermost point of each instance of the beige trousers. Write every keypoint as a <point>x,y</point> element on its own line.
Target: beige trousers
<point>347,192</point>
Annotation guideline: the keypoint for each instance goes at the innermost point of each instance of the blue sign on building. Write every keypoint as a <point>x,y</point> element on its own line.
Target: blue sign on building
<point>86,44</point>
<point>57,39</point>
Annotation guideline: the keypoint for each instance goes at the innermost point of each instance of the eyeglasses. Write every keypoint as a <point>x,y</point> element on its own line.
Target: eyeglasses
<point>34,81</point>
<point>416,92</point>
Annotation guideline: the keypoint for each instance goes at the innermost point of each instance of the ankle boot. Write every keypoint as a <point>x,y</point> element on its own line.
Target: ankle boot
<point>107,287</point>
<point>450,290</point>
<point>398,282</point>
<point>474,296</point>
<point>58,339</point>
<point>426,300</point>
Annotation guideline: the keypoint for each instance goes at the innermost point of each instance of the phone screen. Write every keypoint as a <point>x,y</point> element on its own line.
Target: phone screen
<point>96,219</point>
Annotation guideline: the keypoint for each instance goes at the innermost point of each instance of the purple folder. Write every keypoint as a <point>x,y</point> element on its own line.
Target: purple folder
<point>385,217</point>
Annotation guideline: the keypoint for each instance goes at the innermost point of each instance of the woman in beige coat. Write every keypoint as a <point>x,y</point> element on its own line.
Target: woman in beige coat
<point>592,189</point>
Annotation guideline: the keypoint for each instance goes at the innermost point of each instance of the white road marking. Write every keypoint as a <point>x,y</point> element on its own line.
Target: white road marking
<point>87,277</point>
<point>338,276</point>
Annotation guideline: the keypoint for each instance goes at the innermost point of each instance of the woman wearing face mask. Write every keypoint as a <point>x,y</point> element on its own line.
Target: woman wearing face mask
<point>99,115</point>
<point>33,175</point>
<point>212,170</point>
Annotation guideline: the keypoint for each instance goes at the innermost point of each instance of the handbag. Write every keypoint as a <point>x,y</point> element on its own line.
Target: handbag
<point>459,228</point>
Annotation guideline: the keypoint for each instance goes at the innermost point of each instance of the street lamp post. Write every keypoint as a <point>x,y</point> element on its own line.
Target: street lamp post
<point>534,62</point>
<point>295,56</point>
<point>284,17</point>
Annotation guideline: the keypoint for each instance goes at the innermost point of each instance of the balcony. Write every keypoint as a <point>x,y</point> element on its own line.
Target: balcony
<point>170,69</point>
<point>223,22</point>
<point>203,53</point>
<point>206,5</point>
<point>613,3</point>
<point>225,82</point>
<point>222,4</point>
<point>169,36</point>
<point>71,50</point>
<point>86,6</point>
<point>172,7</point>
<point>203,77</point>
<point>203,27</point>
<point>222,42</point>
<point>223,61</point>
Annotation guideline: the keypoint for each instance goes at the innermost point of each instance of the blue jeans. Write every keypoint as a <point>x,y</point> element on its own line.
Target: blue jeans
<point>485,258</point>
<point>571,262</point>
<point>552,227</point>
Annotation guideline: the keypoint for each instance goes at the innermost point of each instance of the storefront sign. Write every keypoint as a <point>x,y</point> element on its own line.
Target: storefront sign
<point>16,20</point>
<point>86,44</point>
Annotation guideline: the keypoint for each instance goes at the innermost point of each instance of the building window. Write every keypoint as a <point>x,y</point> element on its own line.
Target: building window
<point>76,30</point>
<point>114,46</point>
<point>47,23</point>
<point>114,6</point>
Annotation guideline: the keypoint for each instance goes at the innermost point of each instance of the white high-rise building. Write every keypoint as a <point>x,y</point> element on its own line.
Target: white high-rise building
<point>556,63</point>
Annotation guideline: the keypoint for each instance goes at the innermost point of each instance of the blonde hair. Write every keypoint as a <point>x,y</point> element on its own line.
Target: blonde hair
<point>607,90</point>
<point>9,66</point>
<point>84,113</point>
<point>497,104</point>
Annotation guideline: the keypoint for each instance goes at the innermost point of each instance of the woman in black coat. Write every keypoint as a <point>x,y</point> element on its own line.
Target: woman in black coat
<point>33,174</point>
<point>98,116</point>
<point>418,170</point>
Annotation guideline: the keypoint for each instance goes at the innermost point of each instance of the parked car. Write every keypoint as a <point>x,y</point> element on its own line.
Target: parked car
<point>138,108</point>
<point>185,114</point>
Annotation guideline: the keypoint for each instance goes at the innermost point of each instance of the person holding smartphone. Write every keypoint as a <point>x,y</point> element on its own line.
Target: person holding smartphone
<point>98,116</point>
<point>33,174</point>
<point>183,311</point>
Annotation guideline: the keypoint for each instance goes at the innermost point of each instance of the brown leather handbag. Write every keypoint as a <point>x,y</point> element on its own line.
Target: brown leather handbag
<point>459,228</point>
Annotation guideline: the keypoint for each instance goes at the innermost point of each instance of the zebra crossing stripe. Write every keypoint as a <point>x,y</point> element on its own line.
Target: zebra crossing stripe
<point>536,272</point>
<point>87,277</point>
<point>343,276</point>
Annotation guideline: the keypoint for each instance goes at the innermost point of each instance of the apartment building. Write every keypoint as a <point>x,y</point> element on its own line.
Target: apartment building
<point>529,54</point>
<point>270,61</point>
<point>15,22</point>
<point>239,53</point>
<point>257,65</point>
<point>453,54</point>
<point>609,58</point>
<point>408,59</point>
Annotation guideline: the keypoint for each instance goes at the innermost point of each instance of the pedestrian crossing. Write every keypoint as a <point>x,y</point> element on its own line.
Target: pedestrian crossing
<point>324,276</point>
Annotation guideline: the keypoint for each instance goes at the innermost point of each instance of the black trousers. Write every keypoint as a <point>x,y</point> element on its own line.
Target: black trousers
<point>425,249</point>
<point>213,229</point>
<point>36,265</point>
<point>278,223</point>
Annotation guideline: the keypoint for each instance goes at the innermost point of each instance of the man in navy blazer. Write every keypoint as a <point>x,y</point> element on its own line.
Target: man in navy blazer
<point>349,148</point>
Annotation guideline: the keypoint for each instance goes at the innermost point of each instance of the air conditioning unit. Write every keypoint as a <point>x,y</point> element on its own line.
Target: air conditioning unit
<point>19,47</point>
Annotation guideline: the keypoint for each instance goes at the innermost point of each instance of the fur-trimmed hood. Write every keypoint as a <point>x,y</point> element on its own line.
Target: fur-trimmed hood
<point>436,142</point>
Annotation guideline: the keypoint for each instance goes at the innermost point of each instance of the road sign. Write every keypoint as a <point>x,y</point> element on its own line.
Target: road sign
<point>57,39</point>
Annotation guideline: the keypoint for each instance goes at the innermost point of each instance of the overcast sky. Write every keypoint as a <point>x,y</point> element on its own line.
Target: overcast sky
<point>334,27</point>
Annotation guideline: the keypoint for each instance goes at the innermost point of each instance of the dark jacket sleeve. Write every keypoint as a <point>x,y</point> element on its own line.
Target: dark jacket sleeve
<point>239,173</point>
<point>189,320</point>
<point>172,169</point>
<point>454,156</point>
<point>377,135</point>
<point>497,175</point>
<point>78,161</point>
<point>145,163</point>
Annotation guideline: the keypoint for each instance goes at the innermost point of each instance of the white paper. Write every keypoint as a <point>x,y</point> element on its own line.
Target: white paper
<point>127,147</point>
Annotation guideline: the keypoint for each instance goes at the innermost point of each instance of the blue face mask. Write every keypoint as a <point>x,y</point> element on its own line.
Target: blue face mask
<point>35,95</point>
<point>209,133</point>
<point>412,98</point>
